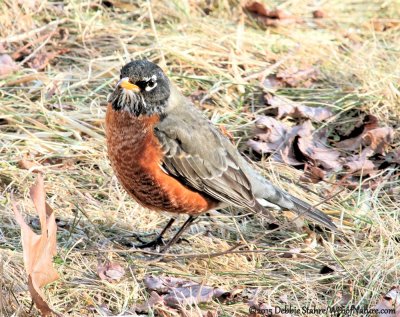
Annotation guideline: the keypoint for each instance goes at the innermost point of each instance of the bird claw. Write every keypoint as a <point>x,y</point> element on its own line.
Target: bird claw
<point>159,241</point>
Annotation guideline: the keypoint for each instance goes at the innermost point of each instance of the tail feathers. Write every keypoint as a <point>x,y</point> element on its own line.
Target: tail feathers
<point>264,190</point>
<point>312,213</point>
<point>287,201</point>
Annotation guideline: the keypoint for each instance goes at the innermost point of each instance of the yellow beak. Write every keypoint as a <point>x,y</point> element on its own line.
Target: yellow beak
<point>124,83</point>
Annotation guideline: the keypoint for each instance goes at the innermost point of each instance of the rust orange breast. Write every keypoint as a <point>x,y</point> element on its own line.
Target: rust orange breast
<point>135,155</point>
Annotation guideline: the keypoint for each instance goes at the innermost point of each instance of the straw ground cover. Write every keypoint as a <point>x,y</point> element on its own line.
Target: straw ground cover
<point>55,117</point>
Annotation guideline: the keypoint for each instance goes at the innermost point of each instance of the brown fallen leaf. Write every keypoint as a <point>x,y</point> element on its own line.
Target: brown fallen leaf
<point>270,135</point>
<point>361,166</point>
<point>110,271</point>
<point>27,164</point>
<point>389,301</point>
<point>297,146</point>
<point>283,107</point>
<point>318,14</point>
<point>381,25</point>
<point>353,139</point>
<point>315,150</point>
<point>178,292</point>
<point>353,182</point>
<point>39,250</point>
<point>295,77</point>
<point>257,8</point>
<point>312,174</point>
<point>378,139</point>
<point>262,14</point>
<point>7,65</point>
<point>274,137</point>
<point>42,59</point>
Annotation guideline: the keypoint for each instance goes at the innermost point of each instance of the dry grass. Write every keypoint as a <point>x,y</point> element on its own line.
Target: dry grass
<point>359,69</point>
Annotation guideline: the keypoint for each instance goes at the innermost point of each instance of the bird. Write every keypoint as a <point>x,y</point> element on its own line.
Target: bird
<point>169,157</point>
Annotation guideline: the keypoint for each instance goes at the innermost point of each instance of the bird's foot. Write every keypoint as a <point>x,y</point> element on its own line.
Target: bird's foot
<point>152,244</point>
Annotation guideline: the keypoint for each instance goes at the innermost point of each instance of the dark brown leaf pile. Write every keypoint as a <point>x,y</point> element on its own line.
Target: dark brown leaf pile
<point>357,154</point>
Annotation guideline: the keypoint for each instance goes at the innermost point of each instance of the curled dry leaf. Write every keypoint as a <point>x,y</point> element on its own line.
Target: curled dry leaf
<point>314,149</point>
<point>39,250</point>
<point>353,139</point>
<point>7,65</point>
<point>283,107</point>
<point>268,17</point>
<point>274,137</point>
<point>297,146</point>
<point>312,174</point>
<point>177,292</point>
<point>363,148</point>
<point>110,271</point>
<point>270,135</point>
<point>257,8</point>
<point>390,301</point>
<point>27,164</point>
<point>378,139</point>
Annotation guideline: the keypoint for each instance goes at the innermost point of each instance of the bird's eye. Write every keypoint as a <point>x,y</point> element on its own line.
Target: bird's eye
<point>151,84</point>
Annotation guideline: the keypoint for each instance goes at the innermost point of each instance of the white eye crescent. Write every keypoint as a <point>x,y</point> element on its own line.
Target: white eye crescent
<point>151,83</point>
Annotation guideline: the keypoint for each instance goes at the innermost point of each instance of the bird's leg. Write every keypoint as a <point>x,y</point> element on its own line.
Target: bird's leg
<point>157,241</point>
<point>175,238</point>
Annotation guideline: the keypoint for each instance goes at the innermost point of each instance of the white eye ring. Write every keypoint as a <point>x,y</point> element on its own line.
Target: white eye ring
<point>151,84</point>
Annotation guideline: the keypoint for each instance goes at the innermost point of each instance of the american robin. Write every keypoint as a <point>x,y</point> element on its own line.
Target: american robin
<point>169,157</point>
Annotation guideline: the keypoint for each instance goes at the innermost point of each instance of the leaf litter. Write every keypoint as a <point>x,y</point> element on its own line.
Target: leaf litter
<point>305,141</point>
<point>282,107</point>
<point>174,294</point>
<point>35,53</point>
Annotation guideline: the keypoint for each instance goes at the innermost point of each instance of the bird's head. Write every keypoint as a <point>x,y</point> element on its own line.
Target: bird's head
<point>143,89</point>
